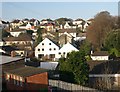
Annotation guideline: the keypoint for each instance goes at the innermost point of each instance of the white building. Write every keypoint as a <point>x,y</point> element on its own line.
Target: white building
<point>46,49</point>
<point>101,55</point>
<point>67,48</point>
<point>17,32</point>
<point>69,26</point>
<point>72,32</point>
<point>77,21</point>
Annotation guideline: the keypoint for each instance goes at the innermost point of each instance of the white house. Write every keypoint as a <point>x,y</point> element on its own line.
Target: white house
<point>66,49</point>
<point>69,26</point>
<point>72,32</point>
<point>78,21</point>
<point>100,55</point>
<point>16,32</point>
<point>46,49</point>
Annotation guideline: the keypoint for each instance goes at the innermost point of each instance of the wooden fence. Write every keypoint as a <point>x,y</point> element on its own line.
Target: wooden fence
<point>69,86</point>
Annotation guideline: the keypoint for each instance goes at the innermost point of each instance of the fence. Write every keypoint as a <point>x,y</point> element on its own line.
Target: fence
<point>69,86</point>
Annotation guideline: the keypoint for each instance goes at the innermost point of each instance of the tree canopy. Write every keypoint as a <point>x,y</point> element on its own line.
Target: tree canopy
<point>103,23</point>
<point>112,42</point>
<point>75,68</point>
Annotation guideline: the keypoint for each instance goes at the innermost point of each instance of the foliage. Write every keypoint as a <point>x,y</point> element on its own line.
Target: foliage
<point>75,64</point>
<point>62,21</point>
<point>112,42</point>
<point>86,46</point>
<point>39,33</point>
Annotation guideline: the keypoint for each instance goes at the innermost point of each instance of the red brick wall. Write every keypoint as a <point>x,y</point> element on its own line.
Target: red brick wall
<point>37,82</point>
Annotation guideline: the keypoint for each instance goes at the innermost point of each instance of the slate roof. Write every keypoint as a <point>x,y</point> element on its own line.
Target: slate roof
<point>26,71</point>
<point>18,30</point>
<point>22,37</point>
<point>100,53</point>
<point>67,30</point>
<point>104,67</point>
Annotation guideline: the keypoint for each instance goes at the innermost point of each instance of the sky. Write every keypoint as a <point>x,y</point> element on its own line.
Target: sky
<point>54,10</point>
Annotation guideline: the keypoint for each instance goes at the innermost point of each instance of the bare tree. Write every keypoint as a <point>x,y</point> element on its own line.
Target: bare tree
<point>97,31</point>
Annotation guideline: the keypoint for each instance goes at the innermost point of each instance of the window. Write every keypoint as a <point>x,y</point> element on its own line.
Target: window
<point>21,52</point>
<point>42,43</point>
<point>17,80</point>
<point>63,52</point>
<point>14,80</point>
<point>54,48</point>
<point>38,49</point>
<point>21,81</point>
<point>59,53</point>
<point>49,43</point>
<point>42,49</point>
<point>8,77</point>
<point>50,49</point>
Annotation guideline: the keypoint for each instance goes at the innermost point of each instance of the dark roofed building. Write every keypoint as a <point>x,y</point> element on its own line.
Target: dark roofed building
<point>100,55</point>
<point>27,79</point>
<point>67,30</point>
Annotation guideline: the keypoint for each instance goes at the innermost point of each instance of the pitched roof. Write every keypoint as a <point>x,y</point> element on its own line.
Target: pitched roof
<point>27,71</point>
<point>68,47</point>
<point>79,19</point>
<point>15,21</point>
<point>100,53</point>
<point>18,30</point>
<point>8,48</point>
<point>104,67</point>
<point>22,37</point>
<point>67,30</point>
<point>8,59</point>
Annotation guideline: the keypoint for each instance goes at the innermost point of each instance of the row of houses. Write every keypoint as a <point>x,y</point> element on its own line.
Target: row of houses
<point>48,24</point>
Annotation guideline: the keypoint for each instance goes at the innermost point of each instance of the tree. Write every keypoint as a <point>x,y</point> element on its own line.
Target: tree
<point>103,23</point>
<point>39,33</point>
<point>112,42</point>
<point>75,64</point>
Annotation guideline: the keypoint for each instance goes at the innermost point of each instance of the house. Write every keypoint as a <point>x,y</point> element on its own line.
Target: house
<point>67,48</point>
<point>17,32</point>
<point>4,24</point>
<point>45,21</point>
<point>100,55</point>
<point>72,32</point>
<point>65,38</point>
<point>69,25</point>
<point>48,26</point>
<point>2,42</point>
<point>104,73</point>
<point>80,37</point>
<point>46,49</point>
<point>26,79</point>
<point>7,49</point>
<point>23,39</point>
<point>28,26</point>
<point>78,21</point>
<point>15,23</point>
